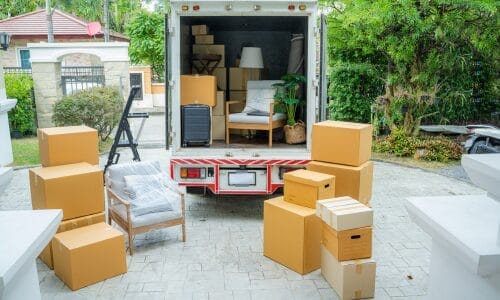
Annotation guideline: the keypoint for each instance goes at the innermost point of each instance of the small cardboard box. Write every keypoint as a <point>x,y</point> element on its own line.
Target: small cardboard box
<point>292,235</point>
<point>89,254</point>
<point>355,182</point>
<point>199,30</point>
<point>238,77</point>
<point>220,107</point>
<point>342,143</point>
<point>218,127</point>
<point>304,187</point>
<point>211,49</point>
<point>353,279</point>
<point>198,89</point>
<point>220,73</point>
<point>68,145</point>
<point>344,213</point>
<point>46,254</point>
<point>205,39</point>
<point>77,189</point>
<point>347,244</point>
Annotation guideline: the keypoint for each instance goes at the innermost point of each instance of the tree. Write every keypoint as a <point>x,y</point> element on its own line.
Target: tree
<point>415,46</point>
<point>146,31</point>
<point>12,8</point>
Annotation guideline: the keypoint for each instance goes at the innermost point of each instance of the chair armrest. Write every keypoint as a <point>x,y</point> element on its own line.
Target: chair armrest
<point>230,102</point>
<point>113,195</point>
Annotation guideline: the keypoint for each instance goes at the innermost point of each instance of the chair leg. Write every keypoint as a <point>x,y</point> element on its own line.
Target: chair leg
<point>130,243</point>
<point>270,138</point>
<point>184,231</point>
<point>227,135</point>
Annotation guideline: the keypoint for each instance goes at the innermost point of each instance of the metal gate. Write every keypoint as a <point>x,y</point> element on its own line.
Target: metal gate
<point>81,78</point>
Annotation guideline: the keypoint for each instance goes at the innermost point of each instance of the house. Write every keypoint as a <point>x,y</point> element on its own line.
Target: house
<point>32,28</point>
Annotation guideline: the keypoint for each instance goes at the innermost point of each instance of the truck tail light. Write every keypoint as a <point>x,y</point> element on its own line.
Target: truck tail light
<point>302,7</point>
<point>193,173</point>
<point>291,7</point>
<point>196,7</point>
<point>185,8</point>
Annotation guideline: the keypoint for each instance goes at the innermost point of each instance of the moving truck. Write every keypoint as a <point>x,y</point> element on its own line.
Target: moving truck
<point>243,166</point>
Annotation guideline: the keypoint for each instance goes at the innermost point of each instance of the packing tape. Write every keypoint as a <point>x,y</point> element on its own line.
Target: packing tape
<point>359,266</point>
<point>357,294</point>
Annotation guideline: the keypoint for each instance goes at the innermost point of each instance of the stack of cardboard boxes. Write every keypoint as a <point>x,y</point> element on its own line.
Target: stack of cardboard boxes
<point>85,250</point>
<point>205,44</point>
<point>292,231</point>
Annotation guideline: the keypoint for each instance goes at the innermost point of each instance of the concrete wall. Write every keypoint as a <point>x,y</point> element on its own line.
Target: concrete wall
<point>47,85</point>
<point>153,93</point>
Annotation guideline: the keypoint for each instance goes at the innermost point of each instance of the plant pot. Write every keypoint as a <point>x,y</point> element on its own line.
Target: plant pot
<point>295,134</point>
<point>16,134</point>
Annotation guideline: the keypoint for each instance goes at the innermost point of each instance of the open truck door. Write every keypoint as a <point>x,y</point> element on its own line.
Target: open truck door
<point>168,82</point>
<point>323,84</point>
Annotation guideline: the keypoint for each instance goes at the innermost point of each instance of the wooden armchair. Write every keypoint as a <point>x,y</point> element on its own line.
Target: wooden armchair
<point>120,208</point>
<point>259,98</point>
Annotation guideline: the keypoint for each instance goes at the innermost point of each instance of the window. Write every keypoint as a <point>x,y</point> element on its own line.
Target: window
<point>136,79</point>
<point>24,58</point>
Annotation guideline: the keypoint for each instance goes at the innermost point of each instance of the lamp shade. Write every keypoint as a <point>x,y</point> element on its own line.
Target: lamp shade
<point>251,57</point>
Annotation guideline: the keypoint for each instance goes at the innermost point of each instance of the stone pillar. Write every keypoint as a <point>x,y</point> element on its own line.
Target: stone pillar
<point>48,89</point>
<point>117,74</point>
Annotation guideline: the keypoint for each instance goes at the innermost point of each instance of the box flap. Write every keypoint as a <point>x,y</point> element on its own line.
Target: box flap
<point>66,170</point>
<point>66,130</point>
<point>86,235</point>
<point>309,177</point>
<point>296,209</point>
<point>344,125</point>
<point>315,163</point>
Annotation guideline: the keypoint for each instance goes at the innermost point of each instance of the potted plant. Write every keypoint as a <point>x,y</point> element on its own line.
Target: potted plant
<point>287,101</point>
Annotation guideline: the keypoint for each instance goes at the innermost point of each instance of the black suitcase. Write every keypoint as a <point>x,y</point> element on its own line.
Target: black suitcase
<point>195,125</point>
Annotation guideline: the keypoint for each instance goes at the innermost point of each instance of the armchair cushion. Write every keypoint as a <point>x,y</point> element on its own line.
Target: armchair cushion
<point>244,118</point>
<point>149,219</point>
<point>259,99</point>
<point>148,195</point>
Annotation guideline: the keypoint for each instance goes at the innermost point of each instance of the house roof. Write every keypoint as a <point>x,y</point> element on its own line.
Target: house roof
<point>34,24</point>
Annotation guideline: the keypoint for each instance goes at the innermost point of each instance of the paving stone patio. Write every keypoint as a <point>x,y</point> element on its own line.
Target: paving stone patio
<point>222,257</point>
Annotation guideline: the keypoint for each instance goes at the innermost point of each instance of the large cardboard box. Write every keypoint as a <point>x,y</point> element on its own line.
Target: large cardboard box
<point>211,49</point>
<point>77,189</point>
<point>238,77</point>
<point>347,244</point>
<point>68,145</point>
<point>355,182</point>
<point>220,107</point>
<point>303,187</point>
<point>199,30</point>
<point>353,279</point>
<point>218,127</point>
<point>344,213</point>
<point>46,255</point>
<point>342,143</point>
<point>205,39</point>
<point>292,235</point>
<point>220,73</point>
<point>198,89</point>
<point>88,255</point>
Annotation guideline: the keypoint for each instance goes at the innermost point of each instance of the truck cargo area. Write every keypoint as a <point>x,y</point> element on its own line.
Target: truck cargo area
<point>270,33</point>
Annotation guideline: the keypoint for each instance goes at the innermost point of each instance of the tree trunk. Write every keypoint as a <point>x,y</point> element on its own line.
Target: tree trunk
<point>50,25</point>
<point>106,21</point>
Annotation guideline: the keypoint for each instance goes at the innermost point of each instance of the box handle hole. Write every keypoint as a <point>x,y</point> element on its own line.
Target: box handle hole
<point>357,236</point>
<point>327,186</point>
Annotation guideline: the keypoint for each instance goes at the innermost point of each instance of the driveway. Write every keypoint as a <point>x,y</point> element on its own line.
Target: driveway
<point>222,257</point>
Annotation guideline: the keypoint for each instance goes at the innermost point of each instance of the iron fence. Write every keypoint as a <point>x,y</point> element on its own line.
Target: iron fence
<point>81,78</point>
<point>17,70</point>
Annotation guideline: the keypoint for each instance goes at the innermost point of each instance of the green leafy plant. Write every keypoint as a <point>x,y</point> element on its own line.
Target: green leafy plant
<point>21,117</point>
<point>98,107</point>
<point>286,96</point>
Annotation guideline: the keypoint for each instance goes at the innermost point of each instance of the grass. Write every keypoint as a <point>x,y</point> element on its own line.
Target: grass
<point>411,162</point>
<point>25,150</point>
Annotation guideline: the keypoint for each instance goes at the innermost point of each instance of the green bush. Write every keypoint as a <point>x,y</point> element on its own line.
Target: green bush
<point>426,148</point>
<point>21,117</point>
<point>353,89</point>
<point>98,107</point>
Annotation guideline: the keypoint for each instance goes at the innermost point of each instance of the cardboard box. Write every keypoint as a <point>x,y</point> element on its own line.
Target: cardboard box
<point>199,30</point>
<point>220,73</point>
<point>344,213</point>
<point>347,244</point>
<point>68,145</point>
<point>353,279</point>
<point>206,39</point>
<point>218,127</point>
<point>219,108</point>
<point>238,77</point>
<point>211,49</point>
<point>304,187</point>
<point>198,89</point>
<point>355,182</point>
<point>237,96</point>
<point>292,235</point>
<point>88,255</point>
<point>46,254</point>
<point>342,143</point>
<point>77,189</point>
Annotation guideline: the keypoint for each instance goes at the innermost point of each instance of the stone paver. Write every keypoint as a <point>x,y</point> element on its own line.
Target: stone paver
<point>222,257</point>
